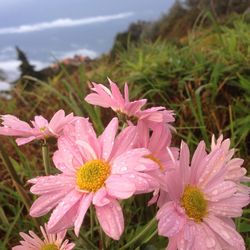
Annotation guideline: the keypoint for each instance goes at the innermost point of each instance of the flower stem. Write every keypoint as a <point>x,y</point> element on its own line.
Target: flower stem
<point>46,159</point>
<point>149,227</point>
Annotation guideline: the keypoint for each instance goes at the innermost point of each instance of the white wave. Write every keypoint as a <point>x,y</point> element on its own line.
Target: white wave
<point>62,23</point>
<point>4,86</point>
<point>69,54</point>
<point>11,68</point>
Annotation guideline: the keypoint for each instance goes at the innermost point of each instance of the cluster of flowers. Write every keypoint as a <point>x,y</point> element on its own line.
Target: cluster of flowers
<point>197,199</point>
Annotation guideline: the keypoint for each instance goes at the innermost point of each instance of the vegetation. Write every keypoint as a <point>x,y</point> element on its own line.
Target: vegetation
<point>204,77</point>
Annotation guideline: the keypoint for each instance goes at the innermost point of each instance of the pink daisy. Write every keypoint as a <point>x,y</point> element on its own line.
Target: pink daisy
<point>158,143</point>
<point>235,171</point>
<point>95,170</point>
<point>127,110</point>
<point>40,128</point>
<point>201,202</point>
<point>50,242</point>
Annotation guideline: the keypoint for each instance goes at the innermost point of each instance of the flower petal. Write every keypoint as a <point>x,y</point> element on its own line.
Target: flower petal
<point>100,198</point>
<point>225,232</point>
<point>45,203</point>
<point>119,187</point>
<point>64,214</point>
<point>107,138</point>
<point>83,207</point>
<point>111,219</point>
<point>171,219</point>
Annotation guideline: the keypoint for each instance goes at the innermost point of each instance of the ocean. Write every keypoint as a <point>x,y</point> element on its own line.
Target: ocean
<point>48,30</point>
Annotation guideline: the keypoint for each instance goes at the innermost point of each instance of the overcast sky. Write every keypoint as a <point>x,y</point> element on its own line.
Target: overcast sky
<point>16,12</point>
<point>49,29</point>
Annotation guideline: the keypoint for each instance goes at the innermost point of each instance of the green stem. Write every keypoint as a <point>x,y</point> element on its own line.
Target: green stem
<point>46,159</point>
<point>103,242</point>
<point>88,242</point>
<point>92,219</point>
<point>151,225</point>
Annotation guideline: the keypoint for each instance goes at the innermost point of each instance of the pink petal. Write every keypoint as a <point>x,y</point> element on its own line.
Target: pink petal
<point>40,122</point>
<point>65,212</point>
<point>107,138</point>
<point>126,93</point>
<point>221,191</point>
<point>116,189</point>
<point>22,141</point>
<point>95,99</point>
<point>83,207</point>
<point>111,219</point>
<point>230,207</point>
<point>133,107</point>
<point>184,162</point>
<point>45,203</point>
<point>116,93</point>
<point>171,219</point>
<point>144,183</point>
<point>64,161</point>
<point>100,197</point>
<point>196,166</point>
<point>226,232</point>
<point>124,141</point>
<point>52,183</point>
<point>132,160</point>
<point>13,122</point>
<point>68,148</point>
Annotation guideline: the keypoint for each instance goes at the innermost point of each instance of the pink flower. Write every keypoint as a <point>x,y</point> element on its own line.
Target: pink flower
<point>129,111</point>
<point>95,170</point>
<point>40,128</point>
<point>201,202</point>
<point>51,241</point>
<point>158,143</point>
<point>235,171</point>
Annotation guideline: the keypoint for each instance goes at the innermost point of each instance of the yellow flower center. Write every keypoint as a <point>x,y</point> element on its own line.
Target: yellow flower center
<point>42,129</point>
<point>125,117</point>
<point>50,247</point>
<point>92,175</point>
<point>156,160</point>
<point>194,202</point>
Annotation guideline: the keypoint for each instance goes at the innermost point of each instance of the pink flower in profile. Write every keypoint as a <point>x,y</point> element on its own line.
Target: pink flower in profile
<point>235,171</point>
<point>40,128</point>
<point>200,203</point>
<point>158,143</point>
<point>95,170</point>
<point>130,111</point>
<point>50,241</point>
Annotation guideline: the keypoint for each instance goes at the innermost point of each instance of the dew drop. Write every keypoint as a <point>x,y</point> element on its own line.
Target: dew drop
<point>210,242</point>
<point>123,169</point>
<point>215,192</point>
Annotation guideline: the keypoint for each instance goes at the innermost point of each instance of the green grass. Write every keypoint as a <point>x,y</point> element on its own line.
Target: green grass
<point>204,78</point>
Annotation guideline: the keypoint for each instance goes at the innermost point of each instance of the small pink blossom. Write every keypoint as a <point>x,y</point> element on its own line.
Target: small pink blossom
<point>158,143</point>
<point>55,241</point>
<point>40,128</point>
<point>94,170</point>
<point>235,171</point>
<point>129,110</point>
<point>201,201</point>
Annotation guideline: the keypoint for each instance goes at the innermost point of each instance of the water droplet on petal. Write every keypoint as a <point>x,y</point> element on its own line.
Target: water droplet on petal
<point>215,192</point>
<point>123,169</point>
<point>210,242</point>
